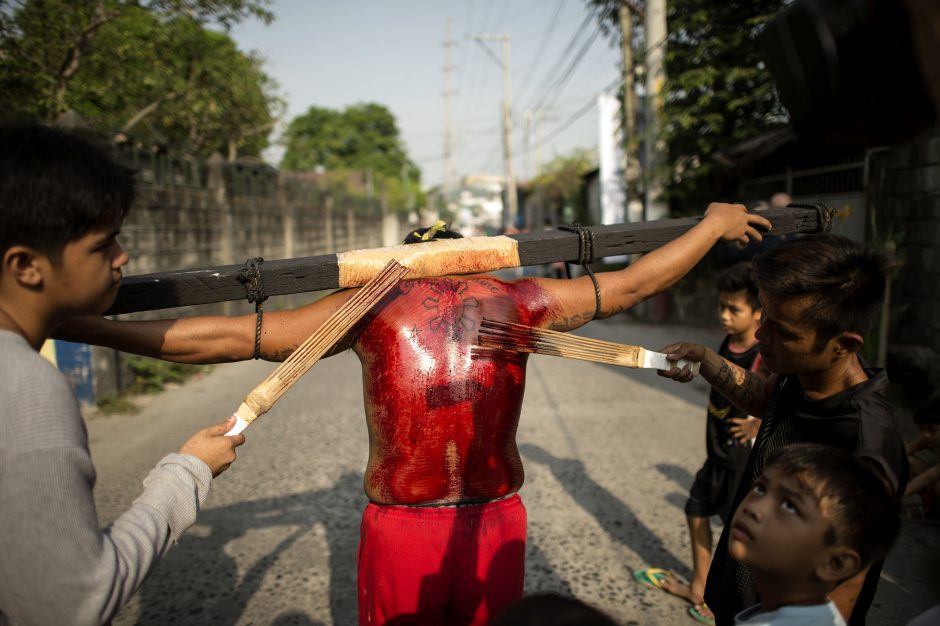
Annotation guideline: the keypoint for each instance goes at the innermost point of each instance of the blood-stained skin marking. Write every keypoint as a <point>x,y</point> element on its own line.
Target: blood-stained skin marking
<point>442,421</point>
<point>454,309</point>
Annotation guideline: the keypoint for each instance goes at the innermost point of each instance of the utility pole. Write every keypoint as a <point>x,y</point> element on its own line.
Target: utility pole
<point>527,140</point>
<point>448,119</point>
<point>511,207</point>
<point>655,23</point>
<point>631,162</point>
<point>539,118</point>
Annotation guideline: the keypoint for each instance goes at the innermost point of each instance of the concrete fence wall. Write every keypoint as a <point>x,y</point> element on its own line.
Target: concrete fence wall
<point>190,214</point>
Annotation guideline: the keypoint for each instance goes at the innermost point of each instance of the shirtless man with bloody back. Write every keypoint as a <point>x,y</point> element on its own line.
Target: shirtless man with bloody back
<point>443,537</point>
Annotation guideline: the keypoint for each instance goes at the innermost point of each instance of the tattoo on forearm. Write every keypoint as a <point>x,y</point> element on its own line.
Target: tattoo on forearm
<point>487,283</point>
<point>741,387</point>
<point>279,355</point>
<point>611,312</point>
<point>573,321</point>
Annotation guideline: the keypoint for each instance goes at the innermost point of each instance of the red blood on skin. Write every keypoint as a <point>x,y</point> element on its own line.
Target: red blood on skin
<point>442,419</point>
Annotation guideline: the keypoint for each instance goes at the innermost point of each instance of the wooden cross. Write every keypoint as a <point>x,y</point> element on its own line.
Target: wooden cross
<point>146,292</point>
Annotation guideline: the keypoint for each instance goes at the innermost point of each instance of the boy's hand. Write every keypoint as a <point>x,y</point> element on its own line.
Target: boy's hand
<point>690,352</point>
<point>744,428</point>
<point>211,446</point>
<point>734,223</point>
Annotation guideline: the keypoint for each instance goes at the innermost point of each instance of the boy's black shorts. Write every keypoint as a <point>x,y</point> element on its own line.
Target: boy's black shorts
<point>713,492</point>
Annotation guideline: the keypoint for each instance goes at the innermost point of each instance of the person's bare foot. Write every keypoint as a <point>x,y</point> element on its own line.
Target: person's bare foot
<point>702,614</point>
<point>678,587</point>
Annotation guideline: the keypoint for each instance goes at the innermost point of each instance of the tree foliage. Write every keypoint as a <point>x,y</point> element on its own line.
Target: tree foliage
<point>152,69</point>
<point>561,184</point>
<point>362,137</point>
<point>718,89</point>
<point>720,92</point>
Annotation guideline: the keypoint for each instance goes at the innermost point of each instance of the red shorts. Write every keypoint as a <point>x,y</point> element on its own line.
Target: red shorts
<point>440,565</point>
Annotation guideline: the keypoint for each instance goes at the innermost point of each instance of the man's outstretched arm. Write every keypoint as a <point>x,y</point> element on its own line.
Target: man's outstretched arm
<point>207,339</point>
<point>747,390</point>
<point>654,271</point>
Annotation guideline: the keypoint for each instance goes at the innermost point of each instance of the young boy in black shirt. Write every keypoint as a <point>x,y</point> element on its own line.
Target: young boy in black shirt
<point>728,435</point>
<point>820,295</point>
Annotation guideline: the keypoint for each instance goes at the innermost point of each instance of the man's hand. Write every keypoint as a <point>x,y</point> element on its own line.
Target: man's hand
<point>734,223</point>
<point>692,352</point>
<point>744,428</point>
<point>211,446</point>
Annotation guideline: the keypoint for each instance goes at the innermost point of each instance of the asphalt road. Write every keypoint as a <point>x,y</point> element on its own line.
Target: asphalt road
<point>609,456</point>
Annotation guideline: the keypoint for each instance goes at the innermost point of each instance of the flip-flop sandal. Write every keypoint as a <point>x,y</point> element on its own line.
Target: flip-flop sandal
<point>695,612</point>
<point>652,577</point>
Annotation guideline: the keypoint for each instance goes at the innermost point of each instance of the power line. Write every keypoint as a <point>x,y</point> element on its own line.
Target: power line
<point>569,48</point>
<point>578,114</point>
<point>569,72</point>
<point>545,40</point>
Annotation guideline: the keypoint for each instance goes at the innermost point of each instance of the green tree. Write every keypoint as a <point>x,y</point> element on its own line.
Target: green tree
<point>152,69</point>
<point>718,89</point>
<point>174,82</point>
<point>561,185</point>
<point>363,137</point>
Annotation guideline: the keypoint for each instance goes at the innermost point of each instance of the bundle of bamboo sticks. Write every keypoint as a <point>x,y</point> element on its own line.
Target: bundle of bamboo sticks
<point>263,397</point>
<point>521,338</point>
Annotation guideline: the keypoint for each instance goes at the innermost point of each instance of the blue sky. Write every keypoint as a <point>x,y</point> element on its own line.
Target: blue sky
<point>341,52</point>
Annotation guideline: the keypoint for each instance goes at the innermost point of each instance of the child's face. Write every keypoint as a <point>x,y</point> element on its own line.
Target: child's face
<point>779,528</point>
<point>931,433</point>
<point>787,343</point>
<point>86,279</point>
<point>736,315</point>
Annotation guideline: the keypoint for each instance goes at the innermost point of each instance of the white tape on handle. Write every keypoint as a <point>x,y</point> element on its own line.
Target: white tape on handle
<point>239,426</point>
<point>658,360</point>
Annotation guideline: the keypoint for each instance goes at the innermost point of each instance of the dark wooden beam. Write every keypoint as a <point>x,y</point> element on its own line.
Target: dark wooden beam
<point>146,292</point>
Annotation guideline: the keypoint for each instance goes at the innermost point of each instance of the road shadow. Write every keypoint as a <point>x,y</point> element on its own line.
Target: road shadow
<point>677,474</point>
<point>615,517</point>
<point>198,581</point>
<point>681,477</point>
<point>541,575</point>
<point>676,499</point>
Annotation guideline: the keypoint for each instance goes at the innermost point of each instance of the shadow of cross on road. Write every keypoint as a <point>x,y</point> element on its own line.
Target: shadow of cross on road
<point>615,517</point>
<point>199,583</point>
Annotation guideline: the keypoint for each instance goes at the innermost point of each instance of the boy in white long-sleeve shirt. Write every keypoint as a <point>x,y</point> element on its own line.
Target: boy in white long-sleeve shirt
<point>62,203</point>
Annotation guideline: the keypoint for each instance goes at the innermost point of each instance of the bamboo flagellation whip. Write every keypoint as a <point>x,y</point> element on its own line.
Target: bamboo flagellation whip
<point>263,397</point>
<point>521,338</point>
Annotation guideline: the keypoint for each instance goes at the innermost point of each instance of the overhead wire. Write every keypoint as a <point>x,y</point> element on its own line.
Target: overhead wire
<point>551,77</point>
<point>545,39</point>
<point>579,113</point>
<point>561,82</point>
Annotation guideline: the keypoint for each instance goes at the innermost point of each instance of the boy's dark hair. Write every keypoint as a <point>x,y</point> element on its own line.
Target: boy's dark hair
<point>929,413</point>
<point>740,277</point>
<point>440,230</point>
<point>55,187</point>
<point>551,609</point>
<point>846,281</point>
<point>854,499</point>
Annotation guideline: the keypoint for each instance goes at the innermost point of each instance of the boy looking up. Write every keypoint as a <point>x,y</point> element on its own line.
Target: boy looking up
<point>62,202</point>
<point>814,518</point>
<point>819,295</point>
<point>728,435</point>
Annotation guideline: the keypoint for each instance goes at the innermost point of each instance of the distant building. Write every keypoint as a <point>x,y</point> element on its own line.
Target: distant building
<point>480,205</point>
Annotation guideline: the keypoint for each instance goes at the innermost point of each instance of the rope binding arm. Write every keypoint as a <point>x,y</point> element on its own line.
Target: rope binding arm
<point>250,277</point>
<point>585,258</point>
<point>824,213</point>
